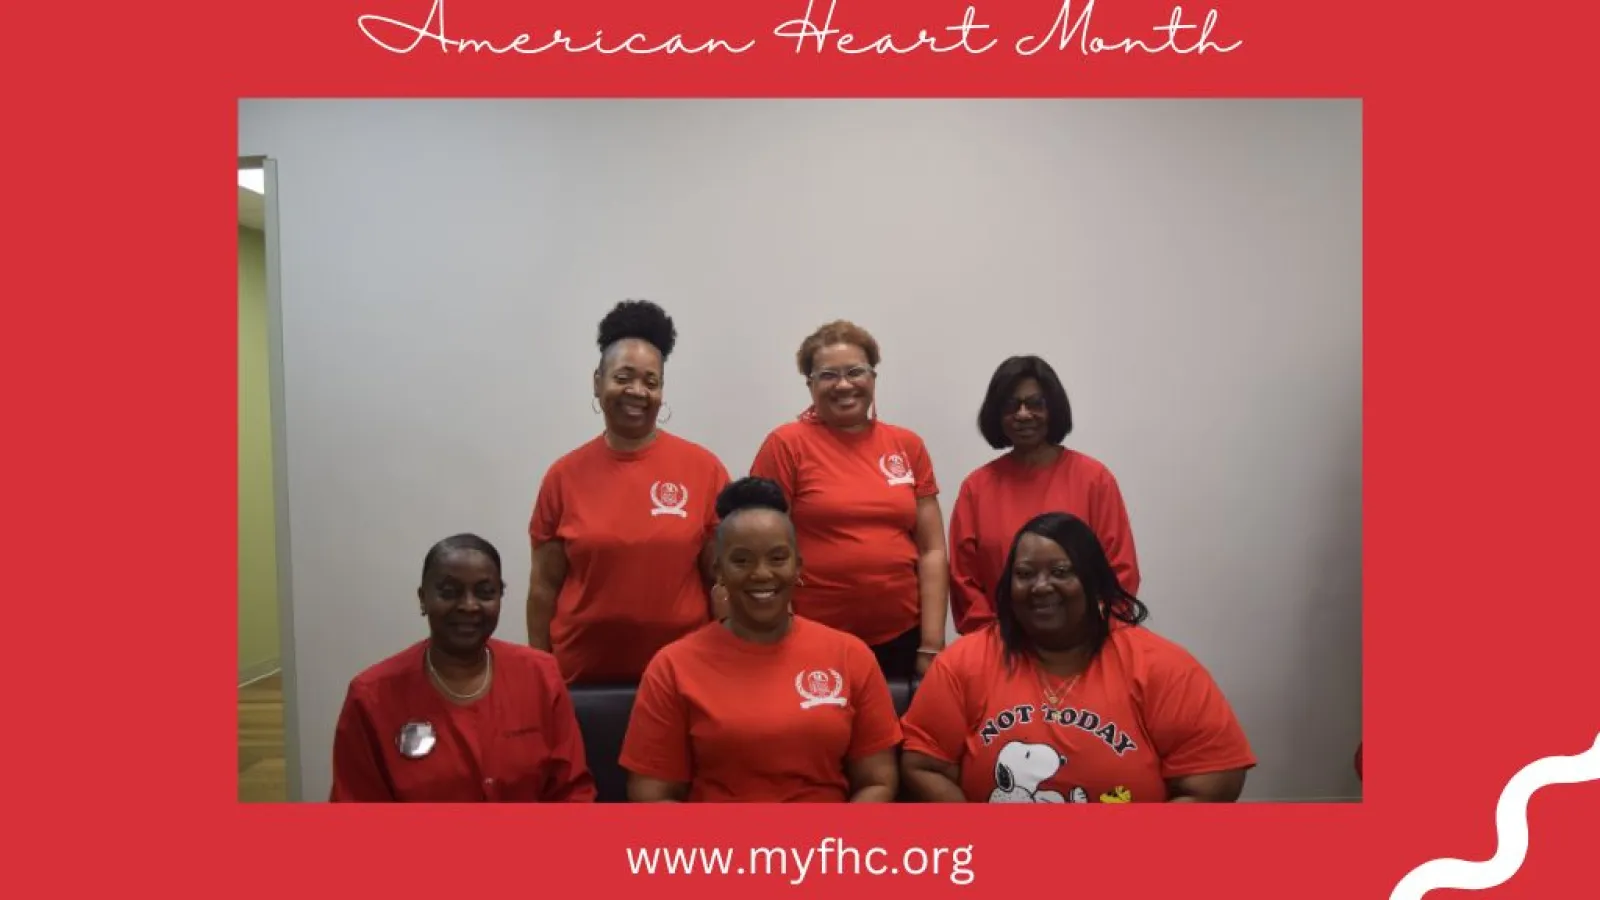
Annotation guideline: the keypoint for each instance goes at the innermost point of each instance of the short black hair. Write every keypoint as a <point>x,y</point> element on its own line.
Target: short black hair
<point>1107,598</point>
<point>460,542</point>
<point>1005,380</point>
<point>751,492</point>
<point>642,320</point>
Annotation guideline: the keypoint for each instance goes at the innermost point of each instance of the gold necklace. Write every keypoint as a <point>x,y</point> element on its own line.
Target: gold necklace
<point>488,670</point>
<point>1057,696</point>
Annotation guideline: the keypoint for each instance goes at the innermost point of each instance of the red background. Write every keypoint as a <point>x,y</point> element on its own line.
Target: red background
<point>120,334</point>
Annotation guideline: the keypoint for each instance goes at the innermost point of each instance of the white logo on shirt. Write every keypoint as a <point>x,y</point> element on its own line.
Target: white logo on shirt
<point>668,499</point>
<point>895,470</point>
<point>819,688</point>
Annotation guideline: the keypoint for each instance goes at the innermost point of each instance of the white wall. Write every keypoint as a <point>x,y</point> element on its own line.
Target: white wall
<point>1193,269</point>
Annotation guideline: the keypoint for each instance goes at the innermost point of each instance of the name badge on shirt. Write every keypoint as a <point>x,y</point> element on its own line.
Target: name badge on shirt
<point>416,740</point>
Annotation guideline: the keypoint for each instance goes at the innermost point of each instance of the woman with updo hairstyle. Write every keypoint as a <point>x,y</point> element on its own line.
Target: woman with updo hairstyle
<point>765,705</point>
<point>865,505</point>
<point>460,717</point>
<point>620,531</point>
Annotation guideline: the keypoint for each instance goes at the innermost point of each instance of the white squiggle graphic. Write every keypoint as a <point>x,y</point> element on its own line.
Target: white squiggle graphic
<point>1511,828</point>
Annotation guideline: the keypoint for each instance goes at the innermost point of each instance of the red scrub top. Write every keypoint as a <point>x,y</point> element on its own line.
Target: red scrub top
<point>518,743</point>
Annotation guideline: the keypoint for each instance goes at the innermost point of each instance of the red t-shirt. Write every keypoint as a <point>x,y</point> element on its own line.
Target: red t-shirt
<point>746,722</point>
<point>634,525</point>
<point>854,505</point>
<point>997,499</point>
<point>518,743</point>
<point>1143,712</point>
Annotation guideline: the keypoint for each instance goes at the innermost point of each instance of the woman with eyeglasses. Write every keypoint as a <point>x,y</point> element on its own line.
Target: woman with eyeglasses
<point>622,525</point>
<point>460,717</point>
<point>865,505</point>
<point>1026,412</point>
<point>1067,697</point>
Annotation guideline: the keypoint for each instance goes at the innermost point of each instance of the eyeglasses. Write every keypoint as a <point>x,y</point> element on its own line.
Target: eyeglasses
<point>1033,404</point>
<point>854,374</point>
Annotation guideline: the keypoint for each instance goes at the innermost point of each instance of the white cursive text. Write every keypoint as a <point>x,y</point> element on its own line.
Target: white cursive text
<point>1088,44</point>
<point>804,29</point>
<point>433,30</point>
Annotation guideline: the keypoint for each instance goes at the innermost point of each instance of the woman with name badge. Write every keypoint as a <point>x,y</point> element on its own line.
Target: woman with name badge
<point>620,529</point>
<point>865,505</point>
<point>460,717</point>
<point>1067,698</point>
<point>764,706</point>
<point>1026,410</point>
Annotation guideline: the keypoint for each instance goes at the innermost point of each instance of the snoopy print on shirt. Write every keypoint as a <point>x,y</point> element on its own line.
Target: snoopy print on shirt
<point>1020,769</point>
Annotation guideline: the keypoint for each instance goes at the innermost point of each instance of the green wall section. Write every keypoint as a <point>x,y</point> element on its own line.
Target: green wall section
<point>258,559</point>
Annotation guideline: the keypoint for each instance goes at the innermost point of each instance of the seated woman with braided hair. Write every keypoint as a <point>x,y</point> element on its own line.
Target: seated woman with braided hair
<point>762,706</point>
<point>1067,698</point>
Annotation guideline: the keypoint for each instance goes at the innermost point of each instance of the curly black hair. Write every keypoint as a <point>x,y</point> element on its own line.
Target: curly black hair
<point>639,319</point>
<point>751,492</point>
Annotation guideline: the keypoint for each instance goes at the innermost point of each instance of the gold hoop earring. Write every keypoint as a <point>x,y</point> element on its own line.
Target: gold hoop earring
<point>666,418</point>
<point>594,404</point>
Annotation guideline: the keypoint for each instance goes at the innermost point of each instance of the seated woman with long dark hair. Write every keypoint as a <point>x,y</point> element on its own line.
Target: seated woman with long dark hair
<point>1067,697</point>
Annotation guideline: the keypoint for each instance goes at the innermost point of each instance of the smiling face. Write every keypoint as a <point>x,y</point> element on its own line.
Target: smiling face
<point>1046,596</point>
<point>1025,418</point>
<point>460,595</point>
<point>628,386</point>
<point>842,385</point>
<point>758,564</point>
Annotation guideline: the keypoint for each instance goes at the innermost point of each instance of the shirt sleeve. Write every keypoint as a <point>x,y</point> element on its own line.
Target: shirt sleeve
<point>776,461</point>
<point>569,779</point>
<point>358,773</point>
<point>656,744</point>
<point>876,727</point>
<point>927,484</point>
<point>1189,721</point>
<point>719,480</point>
<point>547,508</point>
<point>936,723</point>
<point>1109,517</point>
<point>969,601</point>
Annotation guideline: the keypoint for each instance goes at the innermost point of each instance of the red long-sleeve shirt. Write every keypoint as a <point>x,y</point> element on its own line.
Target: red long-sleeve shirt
<point>997,499</point>
<point>518,743</point>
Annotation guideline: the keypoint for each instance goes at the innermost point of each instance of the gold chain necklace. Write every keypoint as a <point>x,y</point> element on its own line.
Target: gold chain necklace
<point>483,685</point>
<point>1058,695</point>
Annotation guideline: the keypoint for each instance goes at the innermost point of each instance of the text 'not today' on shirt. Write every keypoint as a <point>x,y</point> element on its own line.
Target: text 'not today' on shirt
<point>633,525</point>
<point>853,498</point>
<point>740,721</point>
<point>399,740</point>
<point>1143,712</point>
